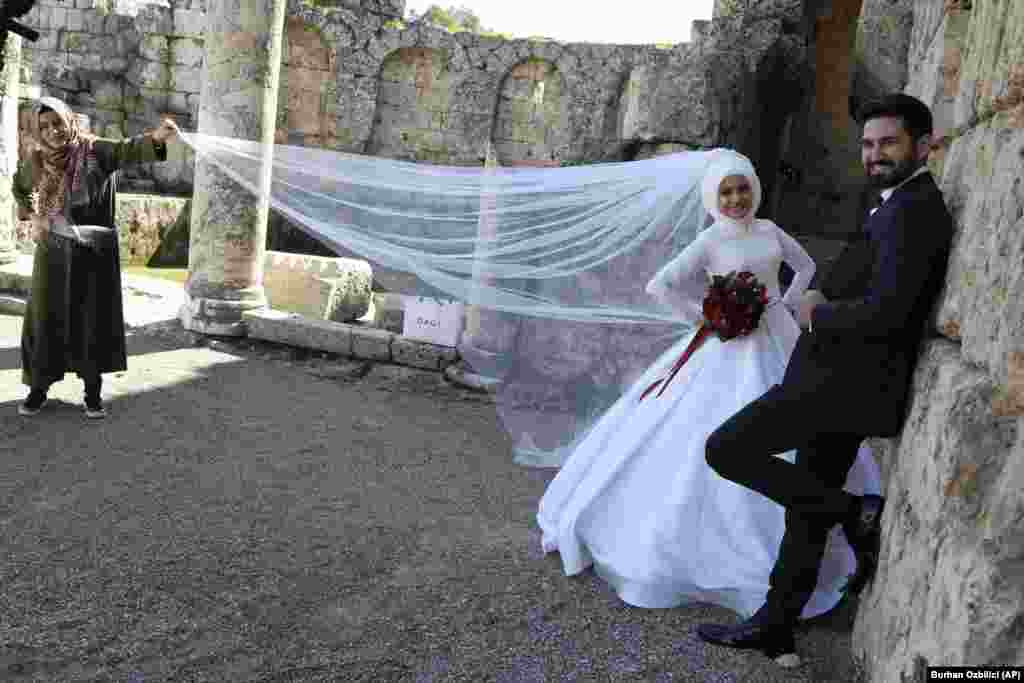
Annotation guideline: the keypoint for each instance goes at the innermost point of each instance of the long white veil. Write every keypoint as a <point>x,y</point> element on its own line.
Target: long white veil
<point>555,260</point>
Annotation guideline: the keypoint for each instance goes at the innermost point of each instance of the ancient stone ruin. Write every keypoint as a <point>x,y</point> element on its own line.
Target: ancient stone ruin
<point>776,79</point>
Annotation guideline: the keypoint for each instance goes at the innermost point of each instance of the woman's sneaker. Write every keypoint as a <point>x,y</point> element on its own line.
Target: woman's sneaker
<point>33,404</point>
<point>94,409</point>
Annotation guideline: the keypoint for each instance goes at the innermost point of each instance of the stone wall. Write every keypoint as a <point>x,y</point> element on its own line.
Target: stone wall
<point>356,78</point>
<point>124,64</point>
<point>950,588</point>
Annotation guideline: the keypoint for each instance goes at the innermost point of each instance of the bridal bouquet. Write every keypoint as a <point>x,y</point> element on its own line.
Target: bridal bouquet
<point>734,304</point>
<point>732,308</point>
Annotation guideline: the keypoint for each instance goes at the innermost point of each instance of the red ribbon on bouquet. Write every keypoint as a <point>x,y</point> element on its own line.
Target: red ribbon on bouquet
<point>732,308</point>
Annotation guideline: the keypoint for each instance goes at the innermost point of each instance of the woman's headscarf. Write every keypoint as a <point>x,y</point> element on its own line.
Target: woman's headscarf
<point>726,163</point>
<point>62,166</point>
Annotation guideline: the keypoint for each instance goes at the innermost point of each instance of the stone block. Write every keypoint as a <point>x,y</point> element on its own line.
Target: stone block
<point>40,18</point>
<point>155,49</point>
<point>95,21</point>
<point>187,51</point>
<point>188,23</point>
<point>949,589</point>
<point>289,328</point>
<point>75,41</point>
<point>85,61</point>
<point>371,344</point>
<point>186,79</point>
<point>992,73</point>
<point>154,20</point>
<point>142,223</point>
<point>152,103</point>
<point>983,302</point>
<point>146,74</point>
<point>389,311</point>
<point>48,40</point>
<point>177,103</point>
<point>309,285</point>
<point>74,20</point>
<point>418,354</point>
<point>108,94</point>
<point>935,78</point>
<point>348,297</point>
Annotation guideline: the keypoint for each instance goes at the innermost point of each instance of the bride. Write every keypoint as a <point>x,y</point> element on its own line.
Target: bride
<point>636,499</point>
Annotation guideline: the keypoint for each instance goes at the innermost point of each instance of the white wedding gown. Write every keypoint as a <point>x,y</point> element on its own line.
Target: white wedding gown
<point>636,498</point>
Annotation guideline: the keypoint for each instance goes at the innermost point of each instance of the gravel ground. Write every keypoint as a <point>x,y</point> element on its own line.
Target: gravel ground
<point>251,512</point>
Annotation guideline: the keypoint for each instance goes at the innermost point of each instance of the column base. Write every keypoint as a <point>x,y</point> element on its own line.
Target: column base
<point>218,316</point>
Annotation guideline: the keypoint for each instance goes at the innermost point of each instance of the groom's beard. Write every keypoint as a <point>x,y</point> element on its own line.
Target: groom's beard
<point>893,173</point>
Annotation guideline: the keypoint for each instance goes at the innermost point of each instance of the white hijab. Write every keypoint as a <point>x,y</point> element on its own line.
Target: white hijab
<point>726,163</point>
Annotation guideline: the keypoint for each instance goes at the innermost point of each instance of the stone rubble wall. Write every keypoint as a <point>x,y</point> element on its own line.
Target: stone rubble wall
<point>357,79</point>
<point>143,223</point>
<point>950,588</point>
<point>124,65</point>
<point>146,227</point>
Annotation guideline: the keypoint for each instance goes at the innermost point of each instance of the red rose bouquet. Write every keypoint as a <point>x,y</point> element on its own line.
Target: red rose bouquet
<point>732,308</point>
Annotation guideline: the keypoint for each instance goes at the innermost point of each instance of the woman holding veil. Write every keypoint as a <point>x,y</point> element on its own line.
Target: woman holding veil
<point>74,322</point>
<point>636,498</point>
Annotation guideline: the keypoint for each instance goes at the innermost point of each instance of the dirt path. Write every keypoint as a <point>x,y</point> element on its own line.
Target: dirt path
<point>248,513</point>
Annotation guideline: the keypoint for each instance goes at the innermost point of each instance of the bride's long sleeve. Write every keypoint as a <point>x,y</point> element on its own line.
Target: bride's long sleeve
<point>682,282</point>
<point>802,264</point>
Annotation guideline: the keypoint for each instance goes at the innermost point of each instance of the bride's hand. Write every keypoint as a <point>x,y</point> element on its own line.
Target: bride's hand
<point>805,308</point>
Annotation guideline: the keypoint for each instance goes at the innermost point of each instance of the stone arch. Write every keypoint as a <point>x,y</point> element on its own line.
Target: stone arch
<point>412,120</point>
<point>306,99</point>
<point>530,118</point>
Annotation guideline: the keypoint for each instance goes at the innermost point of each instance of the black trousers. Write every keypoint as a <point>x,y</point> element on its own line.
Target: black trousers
<point>743,450</point>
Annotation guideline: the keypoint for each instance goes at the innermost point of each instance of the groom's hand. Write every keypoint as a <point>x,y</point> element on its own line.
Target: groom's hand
<point>811,298</point>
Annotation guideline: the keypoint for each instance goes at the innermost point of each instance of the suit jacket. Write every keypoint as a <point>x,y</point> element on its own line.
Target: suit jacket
<point>854,370</point>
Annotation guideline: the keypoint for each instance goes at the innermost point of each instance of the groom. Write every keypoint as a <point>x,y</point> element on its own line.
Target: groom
<point>848,378</point>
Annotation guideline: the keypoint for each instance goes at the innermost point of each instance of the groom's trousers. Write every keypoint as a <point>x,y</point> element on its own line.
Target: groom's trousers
<point>743,450</point>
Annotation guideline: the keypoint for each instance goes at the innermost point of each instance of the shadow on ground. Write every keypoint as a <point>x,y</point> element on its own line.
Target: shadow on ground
<point>250,512</point>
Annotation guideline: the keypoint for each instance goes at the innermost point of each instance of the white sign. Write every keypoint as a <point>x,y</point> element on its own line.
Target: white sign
<point>435,321</point>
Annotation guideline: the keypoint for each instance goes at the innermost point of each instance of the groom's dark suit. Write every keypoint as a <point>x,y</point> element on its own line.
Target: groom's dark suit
<point>848,378</point>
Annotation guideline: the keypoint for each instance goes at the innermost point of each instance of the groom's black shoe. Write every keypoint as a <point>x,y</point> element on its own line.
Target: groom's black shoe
<point>756,633</point>
<point>863,530</point>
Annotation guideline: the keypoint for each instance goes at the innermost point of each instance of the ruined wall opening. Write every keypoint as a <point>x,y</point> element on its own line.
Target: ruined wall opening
<point>412,120</point>
<point>819,188</point>
<point>306,94</point>
<point>306,116</point>
<point>528,123</point>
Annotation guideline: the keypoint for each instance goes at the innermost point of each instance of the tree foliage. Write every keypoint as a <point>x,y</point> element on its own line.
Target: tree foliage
<point>455,20</point>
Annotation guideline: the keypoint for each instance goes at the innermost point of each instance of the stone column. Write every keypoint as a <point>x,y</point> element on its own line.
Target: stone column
<point>10,89</point>
<point>490,335</point>
<point>477,339</point>
<point>240,80</point>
